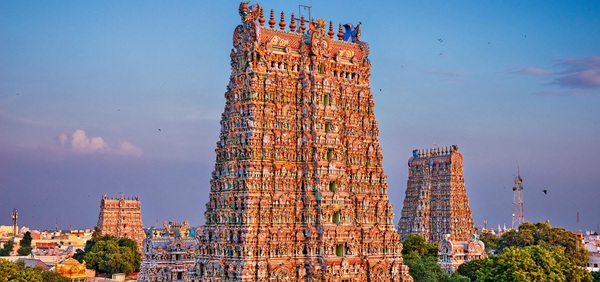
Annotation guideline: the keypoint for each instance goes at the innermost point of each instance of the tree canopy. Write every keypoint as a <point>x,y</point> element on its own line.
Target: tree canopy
<point>17,272</point>
<point>25,245</point>
<point>111,255</point>
<point>532,263</point>
<point>543,234</point>
<point>7,249</point>
<point>422,260</point>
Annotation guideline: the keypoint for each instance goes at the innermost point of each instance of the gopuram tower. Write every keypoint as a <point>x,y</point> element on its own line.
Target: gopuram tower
<point>436,200</point>
<point>122,217</point>
<point>298,192</point>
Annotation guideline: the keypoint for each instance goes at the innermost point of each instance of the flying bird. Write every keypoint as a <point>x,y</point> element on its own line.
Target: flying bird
<point>545,191</point>
<point>489,42</point>
<point>440,54</point>
<point>159,129</point>
<point>440,40</point>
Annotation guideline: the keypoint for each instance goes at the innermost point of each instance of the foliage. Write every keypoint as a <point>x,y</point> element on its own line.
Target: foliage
<point>415,244</point>
<point>53,276</point>
<point>109,255</point>
<point>472,269</point>
<point>544,235</point>
<point>424,268</point>
<point>25,244</point>
<point>17,272</point>
<point>79,254</point>
<point>596,276</point>
<point>531,263</point>
<point>489,239</point>
<point>7,269</point>
<point>27,275</point>
<point>7,249</point>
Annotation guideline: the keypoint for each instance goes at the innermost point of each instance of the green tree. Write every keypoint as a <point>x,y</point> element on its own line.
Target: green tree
<point>489,239</point>
<point>532,263</point>
<point>109,255</point>
<point>472,269</point>
<point>424,268</point>
<point>543,234</point>
<point>53,276</point>
<point>96,235</point>
<point>25,244</point>
<point>414,243</point>
<point>7,269</point>
<point>7,249</point>
<point>27,275</point>
<point>596,276</point>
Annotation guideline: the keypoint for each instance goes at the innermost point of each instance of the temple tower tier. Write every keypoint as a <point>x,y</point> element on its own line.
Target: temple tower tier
<point>298,192</point>
<point>436,201</point>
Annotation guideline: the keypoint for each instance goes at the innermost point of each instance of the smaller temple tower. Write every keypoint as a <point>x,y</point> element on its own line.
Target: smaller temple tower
<point>122,217</point>
<point>436,201</point>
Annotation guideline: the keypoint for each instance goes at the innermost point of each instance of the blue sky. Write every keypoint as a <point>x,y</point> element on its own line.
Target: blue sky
<point>109,97</point>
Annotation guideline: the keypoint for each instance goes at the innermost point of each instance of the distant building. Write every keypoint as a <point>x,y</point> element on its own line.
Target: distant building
<point>33,263</point>
<point>121,217</point>
<point>436,201</point>
<point>451,253</point>
<point>592,244</point>
<point>169,253</point>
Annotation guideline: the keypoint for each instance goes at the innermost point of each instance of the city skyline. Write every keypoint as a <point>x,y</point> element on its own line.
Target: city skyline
<point>126,97</point>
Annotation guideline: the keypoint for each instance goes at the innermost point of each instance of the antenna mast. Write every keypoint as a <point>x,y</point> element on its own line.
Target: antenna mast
<point>15,217</point>
<point>518,217</point>
<point>304,8</point>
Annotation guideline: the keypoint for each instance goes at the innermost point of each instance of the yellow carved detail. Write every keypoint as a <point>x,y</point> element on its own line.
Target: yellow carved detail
<point>277,41</point>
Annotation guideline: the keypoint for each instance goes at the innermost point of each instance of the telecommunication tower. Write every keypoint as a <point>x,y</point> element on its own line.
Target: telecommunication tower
<point>518,217</point>
<point>15,217</point>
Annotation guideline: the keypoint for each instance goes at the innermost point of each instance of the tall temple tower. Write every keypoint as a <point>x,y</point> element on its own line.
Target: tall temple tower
<point>298,192</point>
<point>122,217</point>
<point>436,200</point>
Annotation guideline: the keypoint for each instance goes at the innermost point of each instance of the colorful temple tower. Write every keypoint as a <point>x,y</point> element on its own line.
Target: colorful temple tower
<point>169,252</point>
<point>436,200</point>
<point>298,192</point>
<point>122,217</point>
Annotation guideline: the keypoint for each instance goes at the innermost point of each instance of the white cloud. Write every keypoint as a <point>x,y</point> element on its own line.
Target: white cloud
<point>79,142</point>
<point>127,149</point>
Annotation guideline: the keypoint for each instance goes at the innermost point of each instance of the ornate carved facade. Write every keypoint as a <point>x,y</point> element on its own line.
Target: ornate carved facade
<point>169,253</point>
<point>298,192</point>
<point>451,254</point>
<point>122,217</point>
<point>436,200</point>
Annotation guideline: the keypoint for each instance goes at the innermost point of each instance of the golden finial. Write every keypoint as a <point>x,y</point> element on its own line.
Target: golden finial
<point>272,20</point>
<point>340,33</point>
<point>282,22</point>
<point>302,26</point>
<point>293,23</point>
<point>261,20</point>
<point>330,33</point>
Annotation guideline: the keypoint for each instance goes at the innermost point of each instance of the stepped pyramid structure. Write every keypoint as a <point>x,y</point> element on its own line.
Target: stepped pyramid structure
<point>122,217</point>
<point>436,200</point>
<point>298,192</point>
